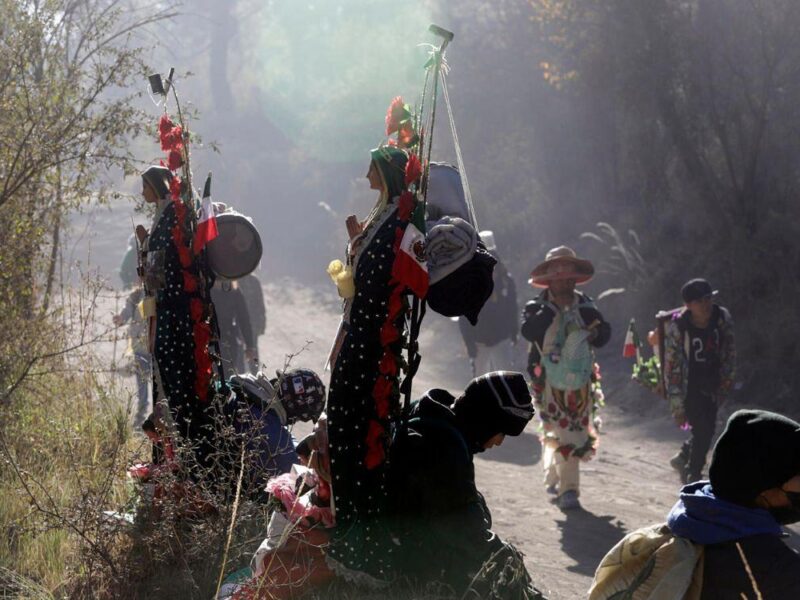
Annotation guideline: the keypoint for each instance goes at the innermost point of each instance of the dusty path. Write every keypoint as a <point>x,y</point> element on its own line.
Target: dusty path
<point>628,485</point>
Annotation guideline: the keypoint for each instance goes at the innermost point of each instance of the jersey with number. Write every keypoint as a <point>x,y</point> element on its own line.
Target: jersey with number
<point>704,356</point>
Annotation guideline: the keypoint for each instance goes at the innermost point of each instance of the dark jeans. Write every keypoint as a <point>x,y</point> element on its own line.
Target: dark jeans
<point>701,412</point>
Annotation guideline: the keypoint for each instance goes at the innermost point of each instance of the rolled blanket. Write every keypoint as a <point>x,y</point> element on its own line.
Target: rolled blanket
<point>465,290</point>
<point>450,243</point>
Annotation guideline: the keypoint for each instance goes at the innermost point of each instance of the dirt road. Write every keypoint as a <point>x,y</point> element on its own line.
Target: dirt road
<point>628,485</point>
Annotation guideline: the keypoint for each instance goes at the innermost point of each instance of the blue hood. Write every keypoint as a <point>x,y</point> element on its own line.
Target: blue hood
<point>703,518</point>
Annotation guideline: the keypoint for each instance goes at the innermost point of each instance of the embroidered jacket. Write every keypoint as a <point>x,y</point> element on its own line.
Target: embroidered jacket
<point>677,353</point>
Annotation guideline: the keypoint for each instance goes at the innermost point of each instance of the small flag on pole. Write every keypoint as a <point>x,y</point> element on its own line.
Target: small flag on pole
<point>206,220</point>
<point>410,266</point>
<point>631,347</point>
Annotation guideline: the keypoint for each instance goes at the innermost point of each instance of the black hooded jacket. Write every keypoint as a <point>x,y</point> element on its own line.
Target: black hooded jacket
<point>439,516</point>
<point>774,565</point>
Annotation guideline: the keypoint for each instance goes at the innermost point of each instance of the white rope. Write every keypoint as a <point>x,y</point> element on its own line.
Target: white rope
<point>749,571</point>
<point>459,158</point>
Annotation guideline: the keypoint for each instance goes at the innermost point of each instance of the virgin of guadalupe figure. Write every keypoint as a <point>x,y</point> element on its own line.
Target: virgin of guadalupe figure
<point>364,391</point>
<point>168,310</point>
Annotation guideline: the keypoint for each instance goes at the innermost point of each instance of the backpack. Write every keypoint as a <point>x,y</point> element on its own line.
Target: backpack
<point>569,366</point>
<point>650,564</point>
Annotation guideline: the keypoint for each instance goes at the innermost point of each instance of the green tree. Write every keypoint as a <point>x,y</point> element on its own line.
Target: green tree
<point>694,107</point>
<point>67,117</point>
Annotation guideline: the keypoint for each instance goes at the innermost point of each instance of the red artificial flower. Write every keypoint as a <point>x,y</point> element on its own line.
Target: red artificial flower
<point>395,114</point>
<point>405,206</point>
<point>190,283</point>
<point>388,364</point>
<point>389,333</point>
<point>165,124</point>
<point>383,388</point>
<point>174,160</point>
<point>413,169</point>
<point>398,238</point>
<point>172,139</point>
<point>406,136</point>
<point>184,255</point>
<point>395,303</point>
<point>202,366</point>
<point>375,451</point>
<point>563,423</point>
<point>180,220</point>
<point>174,186</point>
<point>585,421</point>
<point>196,312</point>
<point>382,393</point>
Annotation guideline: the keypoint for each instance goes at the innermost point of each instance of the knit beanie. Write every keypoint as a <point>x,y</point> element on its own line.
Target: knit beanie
<point>757,451</point>
<point>498,402</point>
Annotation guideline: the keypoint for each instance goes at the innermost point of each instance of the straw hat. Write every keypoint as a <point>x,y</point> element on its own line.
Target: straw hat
<point>561,263</point>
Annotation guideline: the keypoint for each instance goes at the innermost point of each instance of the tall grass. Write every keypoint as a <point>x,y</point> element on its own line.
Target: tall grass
<point>64,444</point>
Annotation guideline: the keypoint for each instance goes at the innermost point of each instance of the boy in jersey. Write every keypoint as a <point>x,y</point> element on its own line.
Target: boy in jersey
<point>699,366</point>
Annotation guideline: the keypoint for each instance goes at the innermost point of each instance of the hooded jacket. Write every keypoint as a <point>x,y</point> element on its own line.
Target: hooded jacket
<point>440,518</point>
<point>720,526</point>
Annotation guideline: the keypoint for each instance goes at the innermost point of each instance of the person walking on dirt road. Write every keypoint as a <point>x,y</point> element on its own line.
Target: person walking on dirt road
<point>563,326</point>
<point>490,342</point>
<point>699,366</point>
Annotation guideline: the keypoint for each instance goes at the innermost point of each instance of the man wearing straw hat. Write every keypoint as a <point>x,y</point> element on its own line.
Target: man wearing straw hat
<point>563,326</point>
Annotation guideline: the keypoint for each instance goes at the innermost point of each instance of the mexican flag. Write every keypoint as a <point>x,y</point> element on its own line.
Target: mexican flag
<point>206,220</point>
<point>631,347</point>
<point>410,266</point>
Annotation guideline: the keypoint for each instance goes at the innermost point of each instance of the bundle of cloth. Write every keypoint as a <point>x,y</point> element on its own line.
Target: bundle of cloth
<point>460,269</point>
